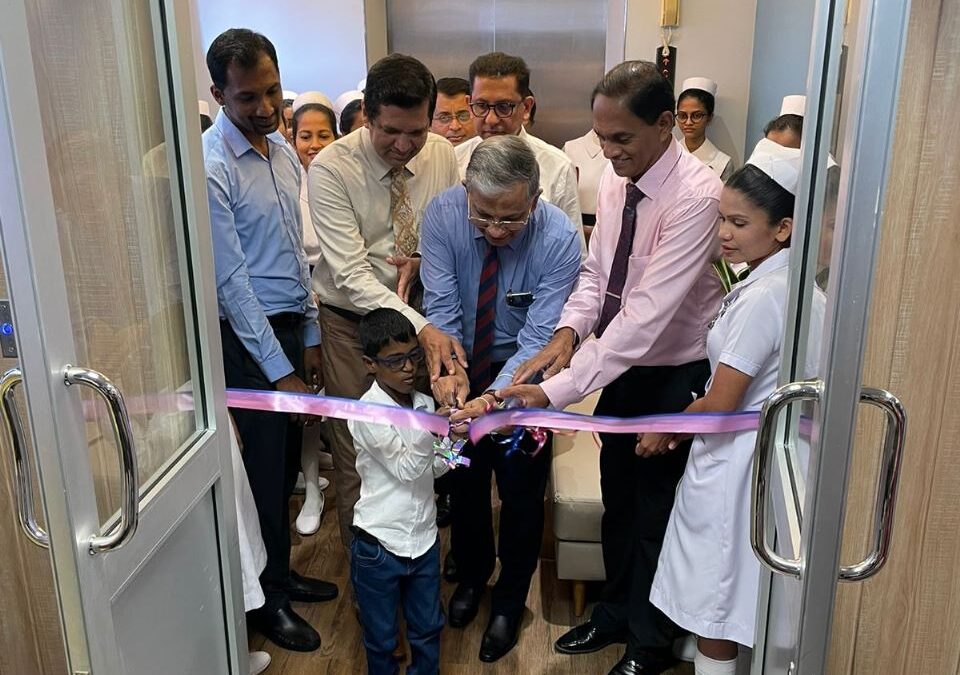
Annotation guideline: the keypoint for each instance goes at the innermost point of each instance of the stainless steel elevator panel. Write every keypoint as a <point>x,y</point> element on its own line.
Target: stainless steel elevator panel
<point>563,43</point>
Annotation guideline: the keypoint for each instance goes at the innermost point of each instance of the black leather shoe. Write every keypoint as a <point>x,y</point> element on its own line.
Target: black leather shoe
<point>285,628</point>
<point>444,514</point>
<point>585,639</point>
<point>500,637</point>
<point>463,605</point>
<point>450,572</point>
<point>644,663</point>
<point>305,589</point>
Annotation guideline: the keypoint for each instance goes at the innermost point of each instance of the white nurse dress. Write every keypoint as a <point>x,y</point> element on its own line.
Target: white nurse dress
<point>707,578</point>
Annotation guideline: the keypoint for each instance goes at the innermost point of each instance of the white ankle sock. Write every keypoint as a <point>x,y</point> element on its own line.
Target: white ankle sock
<point>704,665</point>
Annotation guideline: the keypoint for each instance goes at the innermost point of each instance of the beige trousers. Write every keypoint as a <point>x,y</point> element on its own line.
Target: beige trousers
<point>345,376</point>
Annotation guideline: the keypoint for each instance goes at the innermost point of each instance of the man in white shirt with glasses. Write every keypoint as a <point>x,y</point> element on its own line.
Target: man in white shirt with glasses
<point>499,99</point>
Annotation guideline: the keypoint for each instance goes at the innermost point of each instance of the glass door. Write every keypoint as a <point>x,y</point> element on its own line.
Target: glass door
<point>808,426</point>
<point>112,338</point>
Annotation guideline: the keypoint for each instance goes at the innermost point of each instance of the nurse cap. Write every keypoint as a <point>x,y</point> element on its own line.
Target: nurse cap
<point>795,104</point>
<point>345,99</point>
<point>780,163</point>
<point>289,94</point>
<point>701,83</point>
<point>204,108</point>
<point>311,97</point>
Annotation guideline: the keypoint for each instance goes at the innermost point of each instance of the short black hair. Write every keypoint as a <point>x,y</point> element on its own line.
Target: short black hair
<point>646,93</point>
<point>205,122</point>
<point>315,107</point>
<point>348,115</point>
<point>399,80</point>
<point>789,122</point>
<point>705,97</point>
<point>763,192</point>
<point>381,326</point>
<point>240,46</point>
<point>453,86</point>
<point>498,64</point>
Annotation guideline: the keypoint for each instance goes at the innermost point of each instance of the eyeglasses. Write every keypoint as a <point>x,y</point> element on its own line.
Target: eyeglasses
<point>502,109</point>
<point>484,223</point>
<point>396,363</point>
<point>446,118</point>
<point>697,116</point>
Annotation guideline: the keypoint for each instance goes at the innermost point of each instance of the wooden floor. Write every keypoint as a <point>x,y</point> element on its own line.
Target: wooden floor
<point>549,614</point>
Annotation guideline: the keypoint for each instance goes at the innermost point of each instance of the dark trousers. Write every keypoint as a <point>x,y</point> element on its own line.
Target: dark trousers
<point>271,452</point>
<point>383,582</point>
<point>521,482</point>
<point>638,496</point>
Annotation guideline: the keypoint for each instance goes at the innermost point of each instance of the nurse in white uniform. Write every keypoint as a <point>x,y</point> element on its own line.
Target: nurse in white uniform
<point>694,113</point>
<point>708,576</point>
<point>588,162</point>
<point>313,127</point>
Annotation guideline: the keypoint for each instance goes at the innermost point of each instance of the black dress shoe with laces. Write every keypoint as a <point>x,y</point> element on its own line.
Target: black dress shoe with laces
<point>285,628</point>
<point>305,589</point>
<point>500,637</point>
<point>464,604</point>
<point>644,663</point>
<point>585,639</point>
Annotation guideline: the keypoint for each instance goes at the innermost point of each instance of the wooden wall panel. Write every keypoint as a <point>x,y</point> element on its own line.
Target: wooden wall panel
<point>907,618</point>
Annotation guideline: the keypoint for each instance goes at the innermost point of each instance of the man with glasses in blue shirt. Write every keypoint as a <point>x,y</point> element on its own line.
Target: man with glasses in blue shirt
<point>498,264</point>
<point>500,99</point>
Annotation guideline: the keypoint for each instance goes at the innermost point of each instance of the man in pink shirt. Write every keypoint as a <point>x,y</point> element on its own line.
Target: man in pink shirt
<point>647,292</point>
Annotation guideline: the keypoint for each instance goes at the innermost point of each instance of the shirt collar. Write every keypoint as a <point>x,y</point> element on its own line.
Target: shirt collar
<point>654,177</point>
<point>238,143</point>
<point>777,261</point>
<point>378,395</point>
<point>380,168</point>
<point>593,144</point>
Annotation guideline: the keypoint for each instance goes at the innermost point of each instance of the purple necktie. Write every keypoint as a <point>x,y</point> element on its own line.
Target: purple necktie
<point>480,364</point>
<point>621,259</point>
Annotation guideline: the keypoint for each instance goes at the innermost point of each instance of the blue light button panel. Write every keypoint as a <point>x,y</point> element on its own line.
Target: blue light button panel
<point>8,339</point>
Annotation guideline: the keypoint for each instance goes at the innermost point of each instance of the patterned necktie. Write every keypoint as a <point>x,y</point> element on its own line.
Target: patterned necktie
<point>621,259</point>
<point>480,371</point>
<point>405,232</point>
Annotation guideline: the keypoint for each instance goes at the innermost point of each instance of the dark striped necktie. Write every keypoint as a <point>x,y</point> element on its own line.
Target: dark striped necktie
<point>480,375</point>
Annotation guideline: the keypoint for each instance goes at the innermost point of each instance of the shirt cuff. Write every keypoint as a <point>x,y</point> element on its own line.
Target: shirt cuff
<point>579,325</point>
<point>561,389</point>
<point>276,367</point>
<point>417,319</point>
<point>502,380</point>
<point>311,333</point>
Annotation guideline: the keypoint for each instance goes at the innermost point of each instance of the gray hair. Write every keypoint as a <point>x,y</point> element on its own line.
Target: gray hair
<point>499,163</point>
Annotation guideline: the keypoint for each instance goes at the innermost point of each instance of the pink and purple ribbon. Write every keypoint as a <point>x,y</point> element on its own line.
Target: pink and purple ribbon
<point>376,413</point>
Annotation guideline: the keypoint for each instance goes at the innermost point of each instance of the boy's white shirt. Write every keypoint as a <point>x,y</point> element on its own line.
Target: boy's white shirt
<point>396,468</point>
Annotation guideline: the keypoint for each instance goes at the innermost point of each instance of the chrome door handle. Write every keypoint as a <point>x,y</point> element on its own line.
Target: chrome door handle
<point>22,473</point>
<point>788,393</point>
<point>129,477</point>
<point>887,483</point>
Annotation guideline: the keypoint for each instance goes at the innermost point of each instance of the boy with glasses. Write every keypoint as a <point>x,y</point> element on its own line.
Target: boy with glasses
<point>500,99</point>
<point>395,552</point>
<point>498,265</point>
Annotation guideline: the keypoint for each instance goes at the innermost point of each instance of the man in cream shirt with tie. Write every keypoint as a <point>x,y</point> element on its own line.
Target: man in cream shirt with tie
<point>499,99</point>
<point>367,193</point>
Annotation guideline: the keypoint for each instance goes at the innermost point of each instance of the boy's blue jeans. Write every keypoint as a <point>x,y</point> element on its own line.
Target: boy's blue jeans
<point>383,582</point>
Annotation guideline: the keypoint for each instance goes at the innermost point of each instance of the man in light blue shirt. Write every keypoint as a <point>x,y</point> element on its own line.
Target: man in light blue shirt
<point>268,318</point>
<point>498,265</point>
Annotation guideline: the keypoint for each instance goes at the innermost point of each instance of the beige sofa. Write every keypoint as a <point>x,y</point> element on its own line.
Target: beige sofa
<point>577,507</point>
